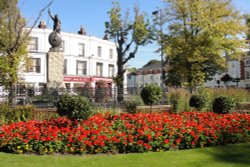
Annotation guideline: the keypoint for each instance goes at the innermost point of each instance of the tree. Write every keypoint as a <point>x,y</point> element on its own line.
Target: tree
<point>14,39</point>
<point>226,78</point>
<point>151,94</point>
<point>247,19</point>
<point>199,33</point>
<point>128,36</point>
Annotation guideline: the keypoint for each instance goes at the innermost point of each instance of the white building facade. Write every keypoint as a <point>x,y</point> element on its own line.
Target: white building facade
<point>238,70</point>
<point>234,70</point>
<point>87,59</point>
<point>246,71</point>
<point>150,74</point>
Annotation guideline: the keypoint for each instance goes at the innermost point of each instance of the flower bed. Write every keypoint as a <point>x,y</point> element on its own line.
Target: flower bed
<point>123,133</point>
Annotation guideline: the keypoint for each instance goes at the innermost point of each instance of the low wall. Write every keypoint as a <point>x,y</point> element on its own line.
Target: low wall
<point>243,107</point>
<point>154,108</point>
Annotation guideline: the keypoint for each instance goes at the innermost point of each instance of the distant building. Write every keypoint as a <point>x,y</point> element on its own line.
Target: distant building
<point>234,68</point>
<point>87,59</point>
<point>131,80</point>
<point>239,70</point>
<point>245,70</point>
<point>149,74</point>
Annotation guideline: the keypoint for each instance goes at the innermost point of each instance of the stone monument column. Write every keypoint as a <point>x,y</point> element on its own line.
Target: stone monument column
<point>55,57</point>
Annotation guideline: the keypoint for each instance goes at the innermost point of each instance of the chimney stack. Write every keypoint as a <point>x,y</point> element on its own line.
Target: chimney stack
<point>106,37</point>
<point>82,31</point>
<point>42,25</point>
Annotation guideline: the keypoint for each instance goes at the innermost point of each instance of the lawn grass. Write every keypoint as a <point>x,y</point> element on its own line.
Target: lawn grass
<point>237,155</point>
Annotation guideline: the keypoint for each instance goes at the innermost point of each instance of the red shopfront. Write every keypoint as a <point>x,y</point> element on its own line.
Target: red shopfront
<point>80,81</point>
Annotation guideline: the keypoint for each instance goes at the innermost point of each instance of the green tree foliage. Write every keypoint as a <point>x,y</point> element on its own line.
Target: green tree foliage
<point>132,69</point>
<point>226,78</point>
<point>14,39</point>
<point>151,94</point>
<point>128,35</point>
<point>74,107</point>
<point>13,43</point>
<point>200,32</point>
<point>223,104</point>
<point>247,19</point>
<point>198,101</point>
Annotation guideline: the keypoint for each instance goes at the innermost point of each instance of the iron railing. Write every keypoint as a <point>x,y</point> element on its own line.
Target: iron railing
<point>46,98</point>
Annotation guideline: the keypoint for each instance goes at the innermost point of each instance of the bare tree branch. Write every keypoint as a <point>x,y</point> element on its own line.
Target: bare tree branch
<point>131,55</point>
<point>37,19</point>
<point>19,39</point>
<point>128,46</point>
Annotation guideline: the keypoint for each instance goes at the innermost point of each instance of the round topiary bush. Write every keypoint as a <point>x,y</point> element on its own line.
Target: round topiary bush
<point>223,104</point>
<point>197,101</point>
<point>151,94</point>
<point>74,107</point>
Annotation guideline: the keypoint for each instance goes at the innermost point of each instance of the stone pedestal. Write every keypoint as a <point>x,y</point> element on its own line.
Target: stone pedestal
<point>55,65</point>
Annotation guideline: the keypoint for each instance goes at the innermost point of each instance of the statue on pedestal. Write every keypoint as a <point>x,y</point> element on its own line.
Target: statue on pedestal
<point>55,38</point>
<point>57,22</point>
<point>55,56</point>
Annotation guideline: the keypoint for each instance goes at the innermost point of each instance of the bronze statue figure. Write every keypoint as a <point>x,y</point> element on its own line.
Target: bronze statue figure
<point>57,22</point>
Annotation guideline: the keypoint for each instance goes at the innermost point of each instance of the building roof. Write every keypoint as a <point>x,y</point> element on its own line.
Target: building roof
<point>155,65</point>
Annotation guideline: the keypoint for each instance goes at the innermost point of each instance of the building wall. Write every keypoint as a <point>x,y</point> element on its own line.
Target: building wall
<point>131,80</point>
<point>247,71</point>
<point>71,54</point>
<point>145,77</point>
<point>234,70</point>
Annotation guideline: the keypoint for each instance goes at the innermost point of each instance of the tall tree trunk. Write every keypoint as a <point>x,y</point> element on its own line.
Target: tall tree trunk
<point>12,82</point>
<point>12,95</point>
<point>120,93</point>
<point>120,79</point>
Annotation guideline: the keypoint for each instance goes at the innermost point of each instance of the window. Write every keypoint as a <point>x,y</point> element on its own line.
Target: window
<point>62,46</point>
<point>99,51</point>
<point>111,53</point>
<point>34,65</point>
<point>233,65</point>
<point>65,67</point>
<point>151,78</point>
<point>81,67</point>
<point>247,74</point>
<point>247,62</point>
<point>142,79</point>
<point>99,69</point>
<point>81,49</point>
<point>111,70</point>
<point>33,44</point>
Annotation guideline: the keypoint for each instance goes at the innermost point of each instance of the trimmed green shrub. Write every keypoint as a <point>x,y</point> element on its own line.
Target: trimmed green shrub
<point>131,105</point>
<point>151,94</point>
<point>74,107</point>
<point>197,101</point>
<point>223,104</point>
<point>20,113</point>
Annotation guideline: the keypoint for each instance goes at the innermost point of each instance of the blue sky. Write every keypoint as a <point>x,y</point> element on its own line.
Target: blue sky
<point>92,14</point>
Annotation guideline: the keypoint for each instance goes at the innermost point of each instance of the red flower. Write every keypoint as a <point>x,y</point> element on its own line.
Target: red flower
<point>178,141</point>
<point>166,141</point>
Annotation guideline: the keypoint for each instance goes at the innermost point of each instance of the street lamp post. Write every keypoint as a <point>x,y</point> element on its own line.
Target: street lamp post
<point>159,13</point>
